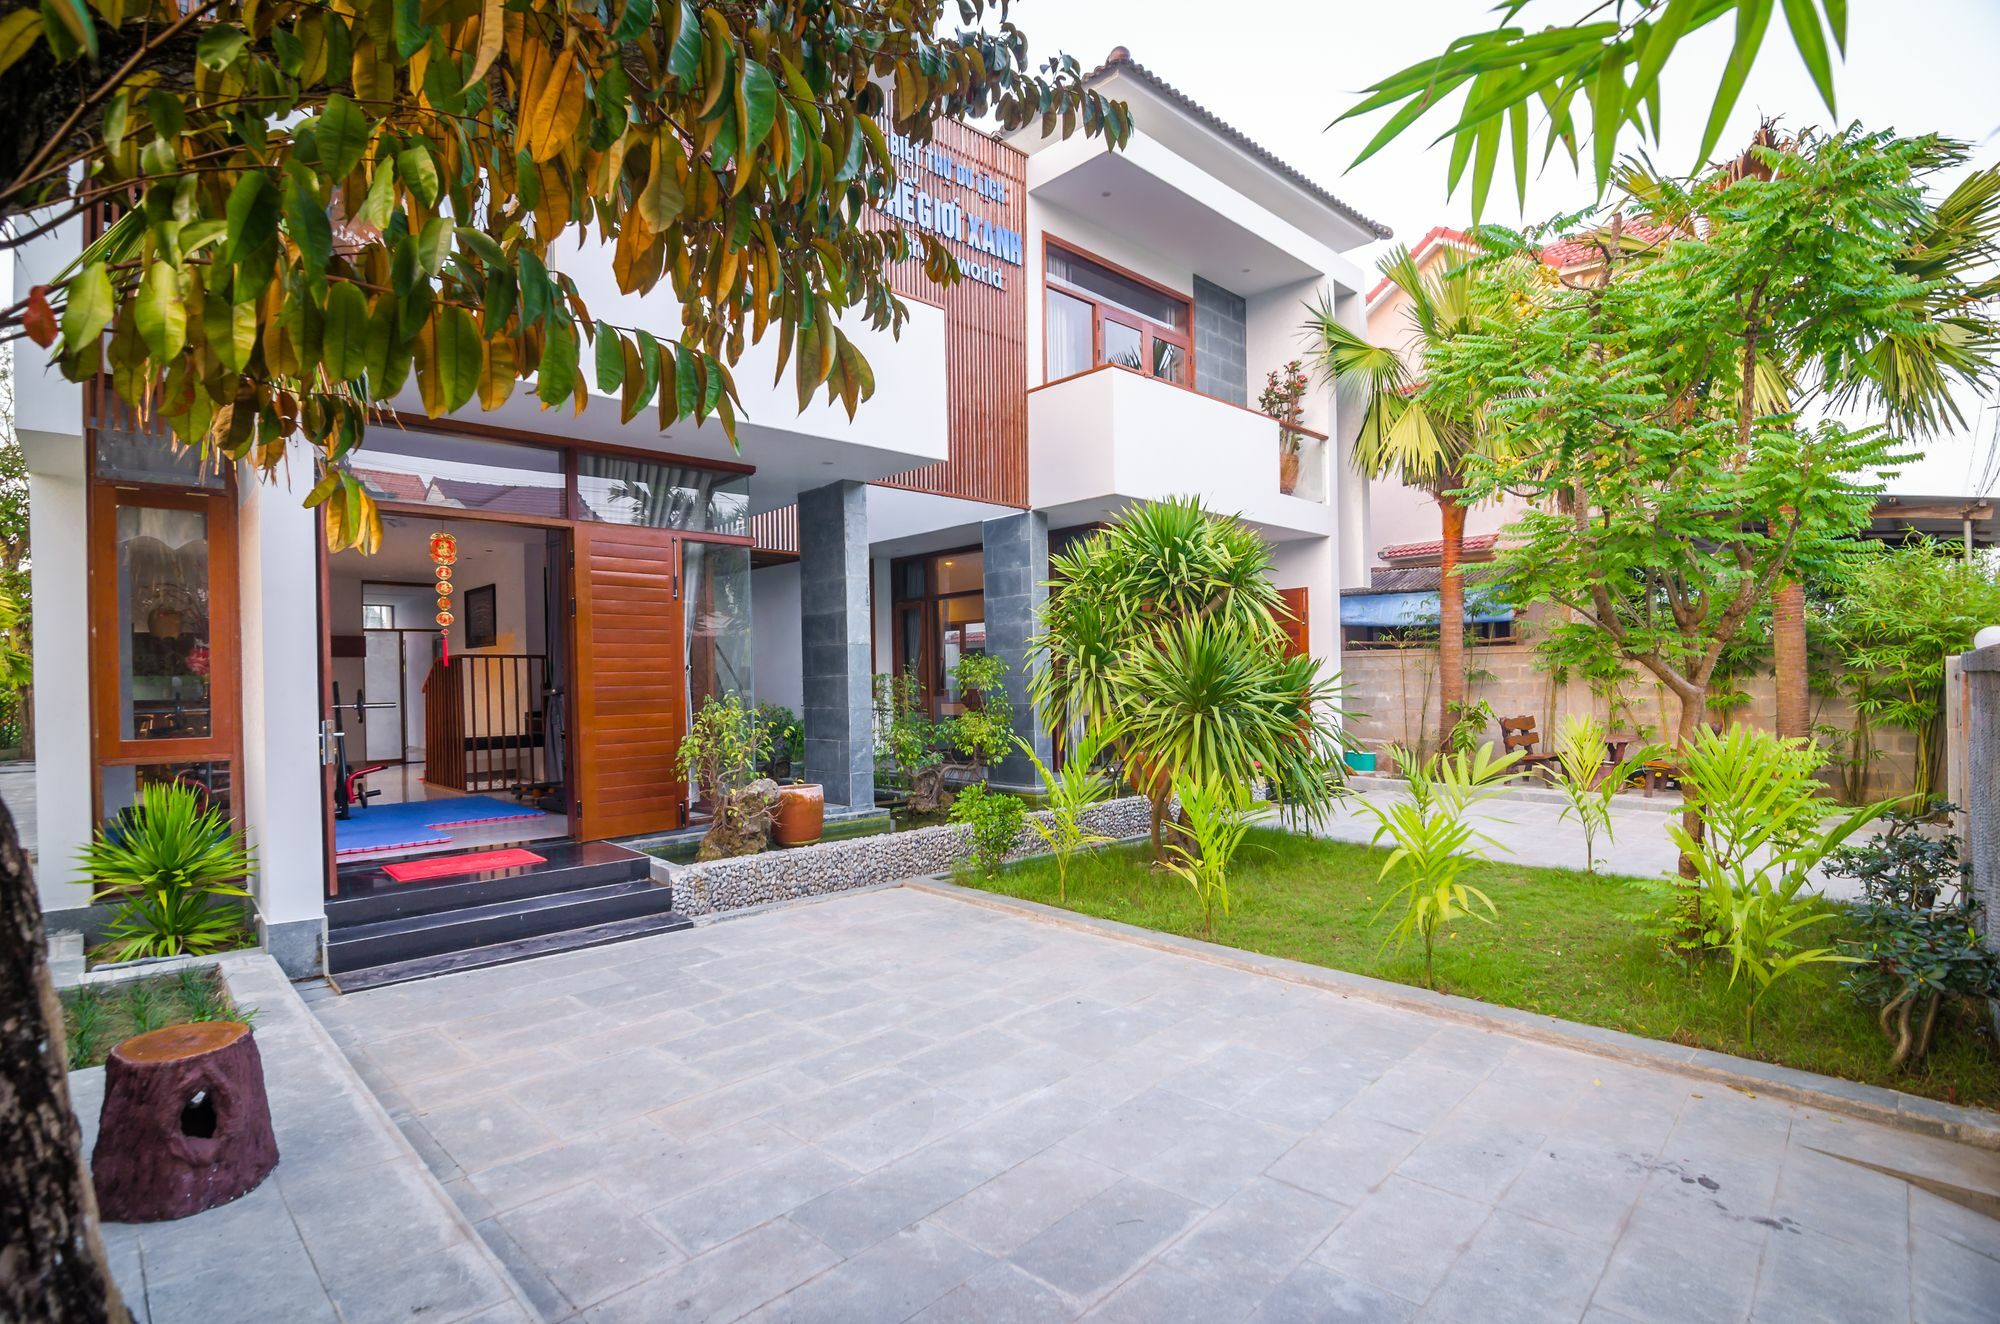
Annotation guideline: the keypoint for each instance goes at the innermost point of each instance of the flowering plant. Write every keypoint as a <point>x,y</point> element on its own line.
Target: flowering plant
<point>1283,398</point>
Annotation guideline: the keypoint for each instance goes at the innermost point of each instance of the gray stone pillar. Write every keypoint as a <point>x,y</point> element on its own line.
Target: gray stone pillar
<point>1016,553</point>
<point>834,638</point>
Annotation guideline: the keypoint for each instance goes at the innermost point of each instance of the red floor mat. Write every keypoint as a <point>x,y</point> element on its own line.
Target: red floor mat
<point>447,866</point>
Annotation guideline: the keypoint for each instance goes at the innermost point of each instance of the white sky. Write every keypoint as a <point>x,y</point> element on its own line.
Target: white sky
<point>1281,70</point>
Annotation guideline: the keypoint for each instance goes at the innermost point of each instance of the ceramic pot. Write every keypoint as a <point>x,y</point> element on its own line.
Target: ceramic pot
<point>1288,470</point>
<point>801,814</point>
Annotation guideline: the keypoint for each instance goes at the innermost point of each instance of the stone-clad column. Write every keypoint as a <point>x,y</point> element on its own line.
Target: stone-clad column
<point>833,637</point>
<point>1016,554</point>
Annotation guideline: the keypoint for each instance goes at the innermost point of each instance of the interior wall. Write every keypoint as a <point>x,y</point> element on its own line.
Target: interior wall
<point>774,623</point>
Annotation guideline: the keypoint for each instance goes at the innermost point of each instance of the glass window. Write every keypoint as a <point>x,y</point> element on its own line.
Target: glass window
<point>1068,336</point>
<point>461,473</point>
<point>1121,291</point>
<point>961,572</point>
<point>961,630</point>
<point>717,579</point>
<point>661,495</point>
<point>1170,362</point>
<point>120,785</point>
<point>146,457</point>
<point>163,624</point>
<point>378,616</point>
<point>1124,345</point>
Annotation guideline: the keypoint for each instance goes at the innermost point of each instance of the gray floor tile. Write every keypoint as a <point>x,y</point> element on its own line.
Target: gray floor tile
<point>1315,1294</point>
<point>1403,1239</point>
<point>725,1283</point>
<point>854,1217</point>
<point>998,1294</point>
<point>1093,1248</point>
<point>588,1243</point>
<point>1520,1272</point>
<point>725,1209</point>
<point>487,1130</point>
<point>1025,1200</point>
<point>1346,1159</point>
<point>1843,1283</point>
<point>892,1279</point>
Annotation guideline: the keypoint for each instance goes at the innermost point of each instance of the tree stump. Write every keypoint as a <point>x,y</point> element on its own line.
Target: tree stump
<point>185,1125</point>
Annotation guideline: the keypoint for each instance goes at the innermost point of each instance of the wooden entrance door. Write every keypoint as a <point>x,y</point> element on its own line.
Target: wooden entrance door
<point>631,678</point>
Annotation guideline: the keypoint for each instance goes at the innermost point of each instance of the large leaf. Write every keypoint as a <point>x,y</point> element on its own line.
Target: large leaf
<point>460,355</point>
<point>342,136</point>
<point>344,334</point>
<point>90,307</point>
<point>159,312</point>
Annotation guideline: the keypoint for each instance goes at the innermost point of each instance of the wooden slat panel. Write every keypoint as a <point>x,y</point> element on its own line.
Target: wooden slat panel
<point>631,702</point>
<point>986,338</point>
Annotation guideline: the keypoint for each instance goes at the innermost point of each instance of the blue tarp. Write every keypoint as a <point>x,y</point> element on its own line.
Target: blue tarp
<point>1391,609</point>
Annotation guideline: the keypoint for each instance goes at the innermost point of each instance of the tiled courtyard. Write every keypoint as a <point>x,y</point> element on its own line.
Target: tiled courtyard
<point>897,1105</point>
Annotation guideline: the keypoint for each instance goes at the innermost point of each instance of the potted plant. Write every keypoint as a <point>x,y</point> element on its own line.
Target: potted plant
<point>724,746</point>
<point>787,737</point>
<point>1283,399</point>
<point>171,868</point>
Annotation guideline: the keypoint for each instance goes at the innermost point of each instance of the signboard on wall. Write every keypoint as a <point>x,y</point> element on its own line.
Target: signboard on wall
<point>968,189</point>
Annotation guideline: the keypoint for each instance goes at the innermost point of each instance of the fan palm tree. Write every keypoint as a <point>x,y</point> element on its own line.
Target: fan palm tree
<point>1165,622</point>
<point>1425,438</point>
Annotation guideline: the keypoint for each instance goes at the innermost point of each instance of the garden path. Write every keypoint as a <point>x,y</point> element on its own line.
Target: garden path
<point>897,1105</point>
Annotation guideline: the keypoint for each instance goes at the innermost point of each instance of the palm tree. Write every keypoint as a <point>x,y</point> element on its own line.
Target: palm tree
<point>1165,623</point>
<point>1426,438</point>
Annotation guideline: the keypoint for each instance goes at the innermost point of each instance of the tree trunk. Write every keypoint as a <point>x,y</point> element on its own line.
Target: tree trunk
<point>1451,623</point>
<point>1788,648</point>
<point>52,1261</point>
<point>1692,711</point>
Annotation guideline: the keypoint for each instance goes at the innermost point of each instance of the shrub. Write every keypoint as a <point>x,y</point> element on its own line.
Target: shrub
<point>782,729</point>
<point>1435,844</point>
<point>908,738</point>
<point>984,732</point>
<point>1215,815</point>
<point>1069,793</point>
<point>1919,948</point>
<point>1588,786</point>
<point>723,747</point>
<point>167,866</point>
<point>995,819</point>
<point>1759,799</point>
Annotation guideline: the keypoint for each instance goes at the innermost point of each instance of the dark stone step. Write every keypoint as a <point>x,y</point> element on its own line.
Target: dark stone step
<point>368,895</point>
<point>476,958</point>
<point>435,933</point>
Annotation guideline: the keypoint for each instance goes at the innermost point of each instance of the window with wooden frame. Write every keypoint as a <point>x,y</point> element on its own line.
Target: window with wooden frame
<point>1095,312</point>
<point>939,616</point>
<point>165,702</point>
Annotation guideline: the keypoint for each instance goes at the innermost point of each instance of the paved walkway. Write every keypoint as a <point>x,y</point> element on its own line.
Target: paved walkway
<point>17,791</point>
<point>347,1229</point>
<point>894,1105</point>
<point>1534,832</point>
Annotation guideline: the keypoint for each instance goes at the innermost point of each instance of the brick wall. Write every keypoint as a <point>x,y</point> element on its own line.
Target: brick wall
<point>1395,692</point>
<point>1220,353</point>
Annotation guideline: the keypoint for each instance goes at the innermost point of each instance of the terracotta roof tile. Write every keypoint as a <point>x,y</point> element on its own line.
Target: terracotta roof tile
<point>1404,551</point>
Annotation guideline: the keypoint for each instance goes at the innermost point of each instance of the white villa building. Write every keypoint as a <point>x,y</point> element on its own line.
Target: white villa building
<point>1120,313</point>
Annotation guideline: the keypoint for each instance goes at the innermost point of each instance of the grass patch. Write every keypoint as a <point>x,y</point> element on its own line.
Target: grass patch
<point>99,1017</point>
<point>1565,944</point>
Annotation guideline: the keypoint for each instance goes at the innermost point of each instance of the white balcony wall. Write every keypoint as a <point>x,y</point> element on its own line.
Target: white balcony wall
<point>1110,437</point>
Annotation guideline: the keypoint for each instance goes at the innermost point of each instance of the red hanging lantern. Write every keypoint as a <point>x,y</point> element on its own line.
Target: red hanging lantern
<point>444,554</point>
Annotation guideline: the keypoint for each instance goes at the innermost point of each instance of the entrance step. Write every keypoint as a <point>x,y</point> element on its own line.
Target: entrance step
<point>476,958</point>
<point>379,931</point>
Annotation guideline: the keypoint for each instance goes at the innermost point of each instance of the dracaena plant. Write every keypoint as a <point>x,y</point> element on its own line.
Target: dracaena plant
<point>1215,814</point>
<point>1069,794</point>
<point>315,203</point>
<point>170,867</point>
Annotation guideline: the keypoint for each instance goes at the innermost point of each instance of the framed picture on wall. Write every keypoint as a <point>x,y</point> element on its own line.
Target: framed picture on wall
<point>482,626</point>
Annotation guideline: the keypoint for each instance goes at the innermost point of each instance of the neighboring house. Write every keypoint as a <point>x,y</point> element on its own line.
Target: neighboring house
<point>1118,308</point>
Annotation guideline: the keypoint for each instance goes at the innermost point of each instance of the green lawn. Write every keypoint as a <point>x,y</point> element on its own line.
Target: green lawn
<point>1565,943</point>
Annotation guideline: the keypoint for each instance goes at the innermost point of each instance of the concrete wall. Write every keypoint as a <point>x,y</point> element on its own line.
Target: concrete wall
<point>58,512</point>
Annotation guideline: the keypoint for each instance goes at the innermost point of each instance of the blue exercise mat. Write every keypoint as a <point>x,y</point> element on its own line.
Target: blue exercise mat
<point>385,827</point>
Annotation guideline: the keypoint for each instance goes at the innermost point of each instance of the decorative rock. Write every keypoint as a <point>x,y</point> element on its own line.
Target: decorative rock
<point>744,825</point>
<point>185,1124</point>
<point>711,886</point>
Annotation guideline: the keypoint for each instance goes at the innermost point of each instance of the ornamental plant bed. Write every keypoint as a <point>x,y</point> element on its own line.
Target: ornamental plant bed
<point>99,1017</point>
<point>1566,944</point>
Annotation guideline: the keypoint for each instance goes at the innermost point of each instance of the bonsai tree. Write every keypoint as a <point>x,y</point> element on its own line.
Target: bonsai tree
<point>721,751</point>
<point>1167,621</point>
<point>906,735</point>
<point>984,732</point>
